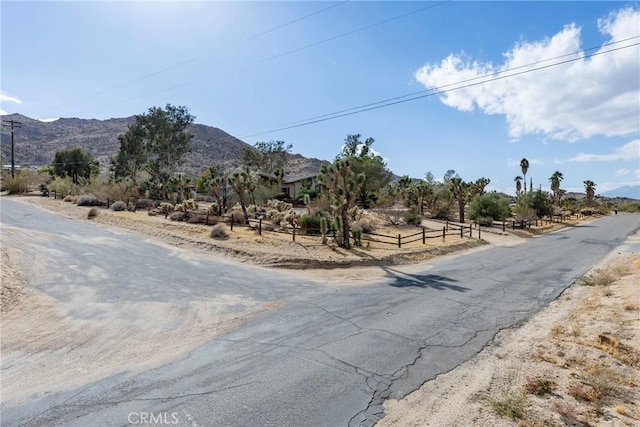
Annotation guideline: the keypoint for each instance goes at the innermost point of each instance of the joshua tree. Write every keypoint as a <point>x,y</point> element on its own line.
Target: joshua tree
<point>555,180</point>
<point>518,181</point>
<point>242,183</point>
<point>524,166</point>
<point>460,190</point>
<point>590,189</point>
<point>342,184</point>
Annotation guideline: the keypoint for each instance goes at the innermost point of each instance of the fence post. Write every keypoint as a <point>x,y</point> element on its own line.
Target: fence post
<point>447,225</point>
<point>232,221</point>
<point>443,232</point>
<point>399,241</point>
<point>55,194</point>
<point>513,225</point>
<point>479,235</point>
<point>260,227</point>
<point>460,231</point>
<point>424,237</point>
<point>108,202</point>
<point>294,231</point>
<point>470,230</point>
<point>503,225</point>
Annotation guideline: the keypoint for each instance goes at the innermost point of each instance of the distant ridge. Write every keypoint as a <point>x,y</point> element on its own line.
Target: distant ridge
<point>628,191</point>
<point>36,143</point>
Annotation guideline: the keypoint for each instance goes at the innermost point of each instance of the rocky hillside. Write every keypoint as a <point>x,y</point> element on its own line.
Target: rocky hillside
<point>36,143</point>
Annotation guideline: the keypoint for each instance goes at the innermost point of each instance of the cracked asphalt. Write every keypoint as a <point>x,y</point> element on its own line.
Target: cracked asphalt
<point>325,355</point>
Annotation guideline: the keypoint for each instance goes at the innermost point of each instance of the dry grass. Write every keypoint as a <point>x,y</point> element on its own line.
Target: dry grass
<point>512,406</point>
<point>539,386</point>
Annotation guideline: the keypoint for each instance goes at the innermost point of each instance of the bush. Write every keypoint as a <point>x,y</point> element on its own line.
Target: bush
<point>17,185</point>
<point>93,212</point>
<point>119,206</point>
<point>539,201</point>
<point>365,224</point>
<point>166,208</point>
<point>310,223</point>
<point>489,207</point>
<point>413,216</point>
<point>219,231</point>
<point>88,200</point>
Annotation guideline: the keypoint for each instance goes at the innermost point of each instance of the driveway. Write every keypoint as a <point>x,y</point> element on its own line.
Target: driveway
<point>123,331</point>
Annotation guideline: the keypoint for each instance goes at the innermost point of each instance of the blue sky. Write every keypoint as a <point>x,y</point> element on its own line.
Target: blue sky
<point>116,59</point>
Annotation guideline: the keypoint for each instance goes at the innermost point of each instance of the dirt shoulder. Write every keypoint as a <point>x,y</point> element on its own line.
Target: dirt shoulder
<point>576,363</point>
<point>269,249</point>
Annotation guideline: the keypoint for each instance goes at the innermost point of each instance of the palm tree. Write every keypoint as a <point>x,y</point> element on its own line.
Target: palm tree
<point>555,180</point>
<point>524,166</point>
<point>518,181</point>
<point>590,189</point>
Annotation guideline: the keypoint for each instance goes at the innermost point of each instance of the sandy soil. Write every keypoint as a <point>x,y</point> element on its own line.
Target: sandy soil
<point>581,354</point>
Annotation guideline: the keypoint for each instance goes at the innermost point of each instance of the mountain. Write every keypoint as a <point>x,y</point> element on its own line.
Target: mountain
<point>36,143</point>
<point>628,191</point>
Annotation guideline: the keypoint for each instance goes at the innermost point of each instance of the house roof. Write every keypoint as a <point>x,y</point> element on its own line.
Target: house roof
<point>290,179</point>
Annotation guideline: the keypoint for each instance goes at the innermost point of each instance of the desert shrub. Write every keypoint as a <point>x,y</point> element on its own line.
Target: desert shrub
<point>119,206</point>
<point>628,206</point>
<point>488,207</point>
<point>540,201</point>
<point>180,207</point>
<point>523,214</point>
<point>355,213</point>
<point>597,278</point>
<point>367,225</point>
<point>63,186</point>
<point>93,212</point>
<point>88,200</point>
<point>17,185</point>
<point>236,217</point>
<point>190,204</point>
<point>540,386</point>
<point>310,223</point>
<point>212,209</point>
<point>412,216</point>
<point>166,208</point>
<point>514,407</point>
<point>219,231</point>
<point>177,216</point>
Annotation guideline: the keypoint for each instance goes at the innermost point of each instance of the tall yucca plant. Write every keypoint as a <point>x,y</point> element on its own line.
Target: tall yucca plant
<point>340,181</point>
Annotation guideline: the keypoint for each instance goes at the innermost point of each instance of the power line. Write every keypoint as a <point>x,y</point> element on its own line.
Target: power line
<point>467,80</point>
<point>434,92</point>
<point>297,20</point>
<point>354,31</point>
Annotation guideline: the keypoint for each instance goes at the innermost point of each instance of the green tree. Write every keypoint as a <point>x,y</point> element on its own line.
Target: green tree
<point>132,155</point>
<point>166,141</point>
<point>267,156</point>
<point>489,207</point>
<point>74,163</point>
<point>524,167</point>
<point>540,201</point>
<point>555,180</point>
<point>341,183</point>
<point>478,187</point>
<point>590,189</point>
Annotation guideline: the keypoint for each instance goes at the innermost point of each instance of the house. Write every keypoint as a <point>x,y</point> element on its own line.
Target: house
<point>292,185</point>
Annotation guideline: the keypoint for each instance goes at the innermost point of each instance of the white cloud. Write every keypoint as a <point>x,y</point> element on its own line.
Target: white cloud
<point>2,112</point>
<point>49,120</point>
<point>590,96</point>
<point>628,151</point>
<point>622,172</point>
<point>8,98</point>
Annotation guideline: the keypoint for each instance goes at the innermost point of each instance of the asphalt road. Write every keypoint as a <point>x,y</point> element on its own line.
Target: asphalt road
<point>326,355</point>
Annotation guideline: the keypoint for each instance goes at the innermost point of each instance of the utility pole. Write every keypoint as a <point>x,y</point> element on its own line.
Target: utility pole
<point>13,124</point>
